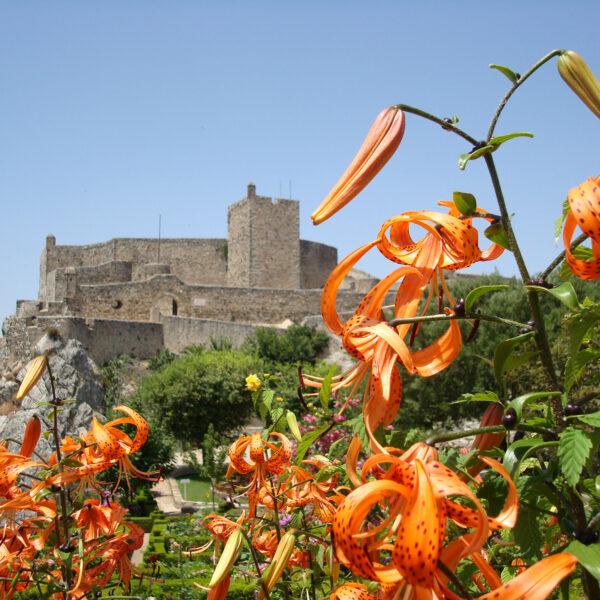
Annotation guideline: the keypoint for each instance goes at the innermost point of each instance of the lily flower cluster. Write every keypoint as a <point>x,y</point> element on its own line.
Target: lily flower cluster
<point>290,511</point>
<point>75,542</point>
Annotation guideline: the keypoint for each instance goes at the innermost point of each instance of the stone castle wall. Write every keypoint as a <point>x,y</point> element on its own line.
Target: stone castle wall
<point>264,242</point>
<point>138,296</point>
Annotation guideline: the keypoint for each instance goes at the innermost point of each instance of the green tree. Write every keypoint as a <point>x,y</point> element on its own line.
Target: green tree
<point>195,390</point>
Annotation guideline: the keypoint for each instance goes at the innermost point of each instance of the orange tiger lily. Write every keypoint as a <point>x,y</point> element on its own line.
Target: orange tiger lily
<point>97,519</point>
<point>259,465</point>
<point>449,243</point>
<point>301,488</point>
<point>113,445</point>
<point>584,202</point>
<point>415,489</point>
<point>380,144</point>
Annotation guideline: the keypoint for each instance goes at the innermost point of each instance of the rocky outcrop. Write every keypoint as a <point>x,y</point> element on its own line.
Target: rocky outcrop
<point>76,382</point>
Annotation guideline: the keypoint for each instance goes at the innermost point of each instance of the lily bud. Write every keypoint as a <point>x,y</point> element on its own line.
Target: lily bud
<point>580,79</point>
<point>35,371</point>
<point>486,441</point>
<point>280,560</point>
<point>381,142</point>
<point>31,437</point>
<point>231,551</point>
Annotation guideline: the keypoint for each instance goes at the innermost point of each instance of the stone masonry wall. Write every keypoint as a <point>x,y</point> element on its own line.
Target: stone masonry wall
<point>316,263</point>
<point>194,261</point>
<point>135,301</point>
<point>102,339</point>
<point>264,246</point>
<point>181,332</point>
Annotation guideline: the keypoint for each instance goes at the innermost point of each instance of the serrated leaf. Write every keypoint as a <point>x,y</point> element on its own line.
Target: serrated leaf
<point>293,425</point>
<point>505,71</point>
<point>307,441</point>
<point>276,414</point>
<point>296,522</point>
<point>518,451</point>
<point>465,203</point>
<point>497,141</point>
<point>480,291</point>
<point>503,352</point>
<point>588,556</point>
<point>325,391</point>
<point>565,293</point>
<point>573,450</point>
<point>576,365</point>
<point>521,401</point>
<point>527,532</point>
<point>267,398</point>
<point>592,419</point>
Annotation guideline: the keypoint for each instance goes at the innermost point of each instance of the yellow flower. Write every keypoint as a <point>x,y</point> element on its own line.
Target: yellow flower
<point>252,382</point>
<point>279,399</point>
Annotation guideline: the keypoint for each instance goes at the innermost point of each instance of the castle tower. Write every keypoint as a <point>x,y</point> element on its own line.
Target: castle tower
<point>263,242</point>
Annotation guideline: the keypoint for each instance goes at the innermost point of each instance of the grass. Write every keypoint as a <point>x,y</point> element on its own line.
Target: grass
<point>198,490</point>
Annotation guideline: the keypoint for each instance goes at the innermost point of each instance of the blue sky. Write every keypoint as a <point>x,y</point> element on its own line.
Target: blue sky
<point>112,113</point>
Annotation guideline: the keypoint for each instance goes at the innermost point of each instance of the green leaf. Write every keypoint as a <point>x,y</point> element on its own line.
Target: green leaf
<point>293,425</point>
<point>505,71</point>
<point>558,224</point>
<point>327,473</point>
<point>465,203</point>
<point>504,351</point>
<point>527,531</point>
<point>592,419</point>
<point>514,361</point>
<point>307,441</point>
<point>579,325</point>
<point>71,462</point>
<point>576,365</point>
<point>463,159</point>
<point>518,451</point>
<point>519,403</point>
<point>480,291</point>
<point>276,414</point>
<point>580,253</point>
<point>588,556</point>
<point>497,141</point>
<point>565,292</point>
<point>496,233</point>
<point>573,451</point>
<point>267,398</point>
<point>325,391</point>
<point>478,397</point>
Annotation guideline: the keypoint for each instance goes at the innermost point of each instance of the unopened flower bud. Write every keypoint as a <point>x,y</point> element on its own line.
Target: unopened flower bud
<point>580,79</point>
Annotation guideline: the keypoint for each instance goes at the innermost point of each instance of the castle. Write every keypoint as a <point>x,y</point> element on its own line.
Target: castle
<point>140,296</point>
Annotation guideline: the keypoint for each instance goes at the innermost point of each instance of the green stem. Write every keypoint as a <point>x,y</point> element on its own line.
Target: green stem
<point>62,494</point>
<point>454,317</point>
<point>436,438</point>
<point>516,85</point>
<point>541,336</point>
<point>576,242</point>
<point>440,122</point>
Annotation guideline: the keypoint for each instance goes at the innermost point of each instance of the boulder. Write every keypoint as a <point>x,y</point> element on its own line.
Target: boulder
<point>76,382</point>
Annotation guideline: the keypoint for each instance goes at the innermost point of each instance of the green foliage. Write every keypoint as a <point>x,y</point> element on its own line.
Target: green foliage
<point>298,343</point>
<point>163,358</point>
<point>110,379</point>
<point>191,392</point>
